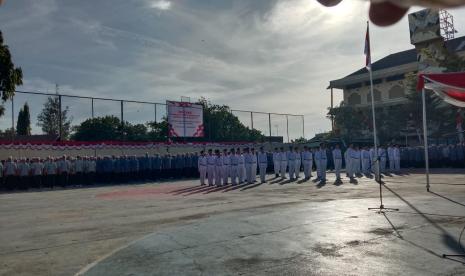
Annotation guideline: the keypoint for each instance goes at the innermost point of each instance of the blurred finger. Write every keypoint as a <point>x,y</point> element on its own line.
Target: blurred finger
<point>329,3</point>
<point>386,13</point>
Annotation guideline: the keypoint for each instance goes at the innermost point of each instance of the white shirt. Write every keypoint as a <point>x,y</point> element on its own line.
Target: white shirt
<point>390,152</point>
<point>234,158</point>
<point>307,156</point>
<point>276,156</point>
<point>10,168</point>
<point>219,161</point>
<point>262,158</point>
<point>37,168</point>
<point>253,158</point>
<point>241,160</point>
<point>91,166</point>
<point>79,165</point>
<point>211,160</point>
<point>283,156</point>
<point>337,154</point>
<point>24,169</point>
<point>51,167</point>
<point>298,156</point>
<point>226,160</point>
<point>396,153</point>
<point>202,161</point>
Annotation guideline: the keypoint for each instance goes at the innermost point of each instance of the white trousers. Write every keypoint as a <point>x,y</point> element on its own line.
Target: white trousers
<point>307,168</point>
<point>350,167</point>
<point>323,163</point>
<point>248,173</point>
<point>391,164</point>
<point>234,174</point>
<point>225,174</point>
<point>382,165</point>
<point>254,172</point>
<point>297,168</point>
<point>365,166</point>
<point>397,164</point>
<point>283,169</point>
<point>291,165</point>
<point>210,174</point>
<point>355,164</point>
<point>241,173</point>
<point>203,174</point>
<point>358,166</point>
<point>262,168</point>
<point>218,173</point>
<point>276,166</point>
<point>338,167</point>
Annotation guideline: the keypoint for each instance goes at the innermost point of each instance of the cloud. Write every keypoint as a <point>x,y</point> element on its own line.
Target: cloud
<point>162,5</point>
<point>264,55</point>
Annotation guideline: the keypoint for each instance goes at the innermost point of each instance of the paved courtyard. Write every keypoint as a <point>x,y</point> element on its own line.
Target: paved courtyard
<point>277,228</point>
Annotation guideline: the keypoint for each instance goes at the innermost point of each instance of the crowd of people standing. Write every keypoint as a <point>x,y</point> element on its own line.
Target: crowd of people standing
<point>228,166</point>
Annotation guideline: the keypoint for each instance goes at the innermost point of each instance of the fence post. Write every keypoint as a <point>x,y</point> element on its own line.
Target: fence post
<point>155,110</point>
<point>303,126</point>
<point>287,127</point>
<point>13,118</point>
<point>269,124</point>
<point>122,113</point>
<point>60,119</point>
<point>251,119</point>
<point>92,108</point>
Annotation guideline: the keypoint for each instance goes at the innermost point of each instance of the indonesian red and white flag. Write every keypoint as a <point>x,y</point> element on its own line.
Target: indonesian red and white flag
<point>448,86</point>
<point>367,48</point>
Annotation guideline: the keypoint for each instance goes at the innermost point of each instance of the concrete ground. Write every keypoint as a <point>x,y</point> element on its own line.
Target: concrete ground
<point>277,228</point>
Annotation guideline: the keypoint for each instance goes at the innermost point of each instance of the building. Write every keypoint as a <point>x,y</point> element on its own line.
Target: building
<point>388,78</point>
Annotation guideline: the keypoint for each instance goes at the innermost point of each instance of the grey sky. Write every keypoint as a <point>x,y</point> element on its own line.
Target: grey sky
<point>264,55</point>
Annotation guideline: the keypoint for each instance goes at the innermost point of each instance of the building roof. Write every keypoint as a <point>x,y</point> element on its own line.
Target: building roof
<point>408,56</point>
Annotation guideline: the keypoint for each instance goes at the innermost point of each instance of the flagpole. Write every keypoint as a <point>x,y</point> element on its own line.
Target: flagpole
<point>425,137</point>
<point>381,208</point>
<point>373,113</point>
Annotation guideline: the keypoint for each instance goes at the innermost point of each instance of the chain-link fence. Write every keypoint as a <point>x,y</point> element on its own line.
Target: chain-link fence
<point>287,127</point>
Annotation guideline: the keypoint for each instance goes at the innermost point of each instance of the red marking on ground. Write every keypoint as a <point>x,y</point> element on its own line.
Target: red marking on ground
<point>159,191</point>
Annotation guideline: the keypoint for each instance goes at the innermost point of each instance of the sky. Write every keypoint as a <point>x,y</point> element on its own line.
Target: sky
<point>263,55</point>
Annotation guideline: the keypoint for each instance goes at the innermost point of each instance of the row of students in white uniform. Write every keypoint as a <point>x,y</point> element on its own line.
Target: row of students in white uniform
<point>236,167</point>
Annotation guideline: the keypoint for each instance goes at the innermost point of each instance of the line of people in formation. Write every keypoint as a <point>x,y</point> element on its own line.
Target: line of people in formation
<point>21,174</point>
<point>236,167</point>
<point>233,166</point>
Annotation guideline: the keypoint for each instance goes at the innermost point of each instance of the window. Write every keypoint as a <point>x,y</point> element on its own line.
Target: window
<point>396,92</point>
<point>354,99</point>
<point>376,94</point>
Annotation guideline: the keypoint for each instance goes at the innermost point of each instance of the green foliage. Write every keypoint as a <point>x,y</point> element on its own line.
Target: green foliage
<point>222,125</point>
<point>392,121</point>
<point>23,125</point>
<point>49,120</point>
<point>10,76</point>
<point>109,128</point>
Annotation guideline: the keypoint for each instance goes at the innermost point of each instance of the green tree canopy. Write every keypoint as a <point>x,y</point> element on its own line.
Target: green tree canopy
<point>222,125</point>
<point>109,128</point>
<point>10,76</point>
<point>49,119</point>
<point>23,125</point>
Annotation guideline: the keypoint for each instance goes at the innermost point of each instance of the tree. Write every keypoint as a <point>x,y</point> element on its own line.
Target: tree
<point>109,128</point>
<point>10,76</point>
<point>221,125</point>
<point>49,119</point>
<point>23,125</point>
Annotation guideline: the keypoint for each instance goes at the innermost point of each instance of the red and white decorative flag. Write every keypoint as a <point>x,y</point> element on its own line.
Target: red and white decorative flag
<point>367,48</point>
<point>450,87</point>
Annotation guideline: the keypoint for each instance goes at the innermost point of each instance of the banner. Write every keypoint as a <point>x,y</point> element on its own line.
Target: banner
<point>185,119</point>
